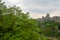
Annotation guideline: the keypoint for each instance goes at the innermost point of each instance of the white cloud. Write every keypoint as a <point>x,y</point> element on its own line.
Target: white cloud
<point>18,3</point>
<point>37,15</point>
<point>14,1</point>
<point>55,13</point>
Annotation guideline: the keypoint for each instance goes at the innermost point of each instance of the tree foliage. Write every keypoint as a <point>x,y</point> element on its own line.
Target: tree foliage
<point>16,25</point>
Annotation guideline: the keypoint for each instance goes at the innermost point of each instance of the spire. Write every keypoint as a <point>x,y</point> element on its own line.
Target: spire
<point>42,16</point>
<point>47,15</point>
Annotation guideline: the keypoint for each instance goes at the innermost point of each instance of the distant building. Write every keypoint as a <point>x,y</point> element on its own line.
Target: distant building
<point>47,17</point>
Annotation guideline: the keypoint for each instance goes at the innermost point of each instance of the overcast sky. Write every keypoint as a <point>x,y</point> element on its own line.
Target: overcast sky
<point>37,8</point>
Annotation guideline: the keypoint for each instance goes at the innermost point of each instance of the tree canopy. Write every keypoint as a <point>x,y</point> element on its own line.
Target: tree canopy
<point>16,25</point>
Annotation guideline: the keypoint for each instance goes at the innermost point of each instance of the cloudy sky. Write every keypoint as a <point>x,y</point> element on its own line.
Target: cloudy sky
<point>37,8</point>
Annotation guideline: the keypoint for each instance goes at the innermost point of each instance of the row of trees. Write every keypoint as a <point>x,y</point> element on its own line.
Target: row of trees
<point>51,29</point>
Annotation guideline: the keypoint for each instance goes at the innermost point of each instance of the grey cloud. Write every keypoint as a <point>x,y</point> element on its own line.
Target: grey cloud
<point>47,5</point>
<point>38,6</point>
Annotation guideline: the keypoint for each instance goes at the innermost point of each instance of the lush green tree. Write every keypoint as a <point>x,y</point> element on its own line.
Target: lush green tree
<point>16,25</point>
<point>51,28</point>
